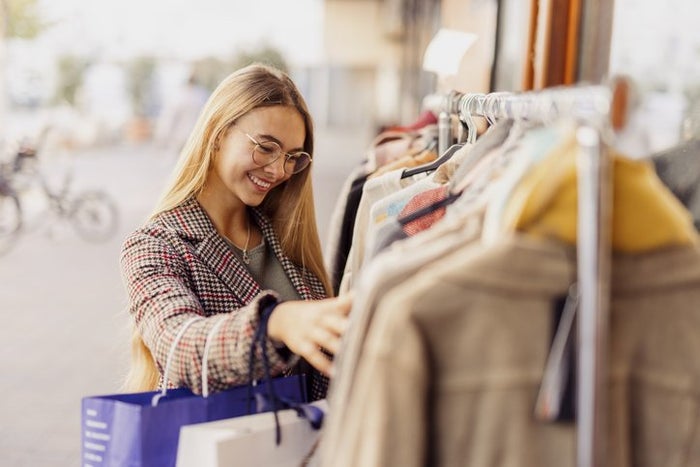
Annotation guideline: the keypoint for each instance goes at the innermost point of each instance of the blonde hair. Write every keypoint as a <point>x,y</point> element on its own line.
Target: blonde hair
<point>290,206</point>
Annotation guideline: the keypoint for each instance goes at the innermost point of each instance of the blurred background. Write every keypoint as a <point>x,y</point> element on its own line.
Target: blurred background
<point>98,96</point>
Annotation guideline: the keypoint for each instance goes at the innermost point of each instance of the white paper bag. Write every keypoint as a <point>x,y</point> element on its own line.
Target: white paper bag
<point>248,441</point>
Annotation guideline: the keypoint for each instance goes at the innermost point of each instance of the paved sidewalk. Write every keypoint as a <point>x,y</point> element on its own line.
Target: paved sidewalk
<point>66,334</point>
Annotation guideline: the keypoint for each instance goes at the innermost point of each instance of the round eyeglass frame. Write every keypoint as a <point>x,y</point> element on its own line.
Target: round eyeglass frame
<point>293,157</point>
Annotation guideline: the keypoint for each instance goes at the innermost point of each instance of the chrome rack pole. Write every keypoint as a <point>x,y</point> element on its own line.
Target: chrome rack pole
<point>444,131</point>
<point>445,121</point>
<point>594,262</point>
<point>591,104</point>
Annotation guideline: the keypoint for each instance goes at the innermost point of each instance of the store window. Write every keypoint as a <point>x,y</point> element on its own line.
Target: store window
<point>658,46</point>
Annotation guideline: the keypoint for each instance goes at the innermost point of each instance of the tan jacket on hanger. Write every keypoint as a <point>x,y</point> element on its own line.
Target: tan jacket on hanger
<point>455,356</point>
<point>393,266</point>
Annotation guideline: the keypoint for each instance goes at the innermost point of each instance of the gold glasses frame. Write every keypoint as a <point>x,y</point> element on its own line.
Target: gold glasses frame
<point>271,151</point>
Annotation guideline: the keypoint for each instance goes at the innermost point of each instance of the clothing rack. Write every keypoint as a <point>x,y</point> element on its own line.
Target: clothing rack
<point>590,107</point>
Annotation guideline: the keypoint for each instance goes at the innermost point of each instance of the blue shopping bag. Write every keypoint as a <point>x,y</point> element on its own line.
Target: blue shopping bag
<point>142,429</point>
<point>127,430</point>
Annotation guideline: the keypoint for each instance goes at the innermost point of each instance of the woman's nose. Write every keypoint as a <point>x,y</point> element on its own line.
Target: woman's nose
<point>276,168</point>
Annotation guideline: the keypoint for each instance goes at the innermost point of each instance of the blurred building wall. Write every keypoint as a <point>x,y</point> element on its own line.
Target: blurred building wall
<point>476,17</point>
<point>354,34</point>
<point>375,48</point>
<point>356,83</point>
<point>2,66</point>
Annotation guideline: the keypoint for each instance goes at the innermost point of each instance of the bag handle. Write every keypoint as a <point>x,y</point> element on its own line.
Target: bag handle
<point>205,356</point>
<point>171,355</point>
<point>312,413</point>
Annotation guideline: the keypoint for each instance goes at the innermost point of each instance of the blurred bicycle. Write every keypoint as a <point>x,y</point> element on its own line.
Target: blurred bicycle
<point>10,212</point>
<point>92,213</point>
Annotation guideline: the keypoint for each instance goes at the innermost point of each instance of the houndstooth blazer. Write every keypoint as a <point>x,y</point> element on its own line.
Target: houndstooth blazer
<point>178,267</point>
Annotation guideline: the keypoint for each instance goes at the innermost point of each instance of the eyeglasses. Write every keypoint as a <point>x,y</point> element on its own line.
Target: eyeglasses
<point>267,152</point>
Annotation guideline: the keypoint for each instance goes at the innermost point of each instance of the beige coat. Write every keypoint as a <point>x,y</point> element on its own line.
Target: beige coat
<point>454,358</point>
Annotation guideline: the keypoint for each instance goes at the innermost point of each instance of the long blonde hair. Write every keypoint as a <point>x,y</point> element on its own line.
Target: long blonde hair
<point>290,206</point>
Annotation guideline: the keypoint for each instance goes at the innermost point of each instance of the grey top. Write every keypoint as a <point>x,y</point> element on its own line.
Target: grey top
<point>267,270</point>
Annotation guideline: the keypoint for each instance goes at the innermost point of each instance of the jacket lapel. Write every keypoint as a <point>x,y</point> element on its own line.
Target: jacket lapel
<point>306,284</point>
<point>192,222</point>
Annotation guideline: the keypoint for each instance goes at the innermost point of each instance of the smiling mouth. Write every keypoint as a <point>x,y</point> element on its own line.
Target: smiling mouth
<point>260,183</point>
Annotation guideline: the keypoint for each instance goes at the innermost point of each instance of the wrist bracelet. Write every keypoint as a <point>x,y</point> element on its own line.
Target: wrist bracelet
<point>265,314</point>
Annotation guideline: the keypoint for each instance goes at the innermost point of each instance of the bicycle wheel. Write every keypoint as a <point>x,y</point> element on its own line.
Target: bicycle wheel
<point>10,220</point>
<point>94,216</point>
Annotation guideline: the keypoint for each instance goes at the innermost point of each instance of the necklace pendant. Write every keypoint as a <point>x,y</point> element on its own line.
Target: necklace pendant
<point>245,257</point>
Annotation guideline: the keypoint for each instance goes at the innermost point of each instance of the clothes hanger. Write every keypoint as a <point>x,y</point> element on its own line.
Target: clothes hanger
<point>465,195</point>
<point>434,165</point>
<point>470,126</point>
<point>465,115</point>
<point>467,125</point>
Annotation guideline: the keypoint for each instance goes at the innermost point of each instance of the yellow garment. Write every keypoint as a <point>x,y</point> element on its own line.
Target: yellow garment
<point>645,214</point>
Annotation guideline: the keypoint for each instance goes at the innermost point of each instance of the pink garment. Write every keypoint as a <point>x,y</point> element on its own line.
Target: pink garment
<point>419,202</point>
<point>390,146</point>
<point>424,119</point>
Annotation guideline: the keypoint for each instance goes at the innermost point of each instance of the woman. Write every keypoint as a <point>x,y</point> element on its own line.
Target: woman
<point>235,234</point>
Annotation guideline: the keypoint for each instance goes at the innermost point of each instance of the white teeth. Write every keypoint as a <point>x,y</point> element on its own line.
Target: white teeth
<point>259,182</point>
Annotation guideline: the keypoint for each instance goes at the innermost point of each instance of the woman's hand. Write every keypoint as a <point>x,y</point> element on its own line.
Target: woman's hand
<point>307,326</point>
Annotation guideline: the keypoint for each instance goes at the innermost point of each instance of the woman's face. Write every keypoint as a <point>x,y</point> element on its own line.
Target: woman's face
<point>234,175</point>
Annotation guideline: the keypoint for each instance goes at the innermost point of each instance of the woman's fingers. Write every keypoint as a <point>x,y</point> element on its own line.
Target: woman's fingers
<point>329,340</point>
<point>334,323</point>
<point>335,317</point>
<point>318,359</point>
<point>308,327</point>
<point>344,303</point>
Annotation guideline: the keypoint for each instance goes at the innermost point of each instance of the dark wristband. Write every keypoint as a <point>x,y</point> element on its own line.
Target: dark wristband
<point>266,311</point>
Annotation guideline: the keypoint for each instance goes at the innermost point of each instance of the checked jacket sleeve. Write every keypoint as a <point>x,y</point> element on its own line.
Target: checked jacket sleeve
<point>169,283</point>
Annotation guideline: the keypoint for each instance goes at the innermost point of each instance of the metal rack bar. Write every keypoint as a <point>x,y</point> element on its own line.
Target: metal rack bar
<point>590,107</point>
<point>593,252</point>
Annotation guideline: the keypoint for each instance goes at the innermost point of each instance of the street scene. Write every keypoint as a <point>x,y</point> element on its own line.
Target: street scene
<point>94,109</point>
<point>526,154</point>
<point>67,331</point>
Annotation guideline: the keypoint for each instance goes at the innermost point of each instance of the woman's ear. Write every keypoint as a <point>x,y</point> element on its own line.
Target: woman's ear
<point>216,147</point>
<point>219,141</point>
